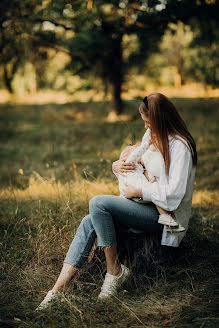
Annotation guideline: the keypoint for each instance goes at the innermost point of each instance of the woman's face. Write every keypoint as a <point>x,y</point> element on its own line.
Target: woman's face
<point>146,120</point>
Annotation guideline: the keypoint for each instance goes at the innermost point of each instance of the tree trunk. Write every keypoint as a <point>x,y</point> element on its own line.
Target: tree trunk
<point>8,79</point>
<point>117,101</point>
<point>178,73</point>
<point>10,70</point>
<point>177,80</point>
<point>142,253</point>
<point>116,74</point>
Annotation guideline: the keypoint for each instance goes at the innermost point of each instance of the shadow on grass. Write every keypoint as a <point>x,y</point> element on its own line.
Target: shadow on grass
<point>169,287</point>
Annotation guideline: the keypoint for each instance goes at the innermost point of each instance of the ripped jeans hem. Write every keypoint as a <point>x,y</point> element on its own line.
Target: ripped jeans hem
<point>105,246</point>
<point>74,265</point>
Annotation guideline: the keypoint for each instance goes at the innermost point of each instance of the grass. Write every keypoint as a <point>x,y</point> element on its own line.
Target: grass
<point>54,158</point>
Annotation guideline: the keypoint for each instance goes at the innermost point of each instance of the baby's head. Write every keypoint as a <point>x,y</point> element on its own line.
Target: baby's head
<point>126,152</point>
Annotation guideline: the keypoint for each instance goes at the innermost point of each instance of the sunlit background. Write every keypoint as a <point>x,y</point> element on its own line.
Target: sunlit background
<point>95,50</point>
<point>72,76</point>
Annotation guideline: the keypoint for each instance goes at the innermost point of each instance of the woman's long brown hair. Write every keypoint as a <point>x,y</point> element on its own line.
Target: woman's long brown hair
<point>165,121</point>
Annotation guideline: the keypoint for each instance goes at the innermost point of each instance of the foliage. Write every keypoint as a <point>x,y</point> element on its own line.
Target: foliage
<point>205,58</point>
<point>176,51</point>
<point>99,38</point>
<point>183,59</point>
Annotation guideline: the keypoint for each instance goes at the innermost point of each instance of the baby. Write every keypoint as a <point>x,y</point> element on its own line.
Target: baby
<point>141,176</point>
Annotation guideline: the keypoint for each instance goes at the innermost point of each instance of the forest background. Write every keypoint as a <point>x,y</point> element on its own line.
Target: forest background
<point>72,75</point>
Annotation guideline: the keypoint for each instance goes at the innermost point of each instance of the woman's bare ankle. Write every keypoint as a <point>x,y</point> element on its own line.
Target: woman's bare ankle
<point>115,271</point>
<point>56,291</point>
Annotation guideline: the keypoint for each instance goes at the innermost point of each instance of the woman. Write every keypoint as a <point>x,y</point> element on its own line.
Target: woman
<point>173,192</point>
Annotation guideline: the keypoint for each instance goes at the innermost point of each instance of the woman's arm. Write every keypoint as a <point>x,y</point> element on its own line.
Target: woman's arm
<point>120,167</point>
<point>137,153</point>
<point>169,196</point>
<point>132,192</point>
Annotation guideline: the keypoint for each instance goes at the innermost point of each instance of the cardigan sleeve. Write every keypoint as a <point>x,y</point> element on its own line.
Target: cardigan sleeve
<point>137,153</point>
<point>169,195</point>
<point>143,147</point>
<point>146,137</point>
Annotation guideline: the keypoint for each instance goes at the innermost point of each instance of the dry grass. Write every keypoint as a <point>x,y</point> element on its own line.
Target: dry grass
<point>49,189</point>
<point>206,197</point>
<point>82,190</point>
<point>51,167</point>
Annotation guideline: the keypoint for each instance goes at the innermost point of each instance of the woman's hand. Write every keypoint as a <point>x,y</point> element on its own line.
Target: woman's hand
<point>132,192</point>
<point>121,167</point>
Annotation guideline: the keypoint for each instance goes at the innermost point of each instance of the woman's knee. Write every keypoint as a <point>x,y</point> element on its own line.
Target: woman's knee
<point>95,203</point>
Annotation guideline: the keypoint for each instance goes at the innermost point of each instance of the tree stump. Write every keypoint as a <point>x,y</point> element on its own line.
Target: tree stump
<point>142,252</point>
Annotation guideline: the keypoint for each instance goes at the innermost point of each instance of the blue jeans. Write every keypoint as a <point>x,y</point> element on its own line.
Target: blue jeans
<point>105,212</point>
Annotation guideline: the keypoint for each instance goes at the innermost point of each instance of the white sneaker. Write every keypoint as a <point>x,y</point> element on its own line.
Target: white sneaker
<point>111,283</point>
<point>44,304</point>
<point>177,229</point>
<point>167,220</point>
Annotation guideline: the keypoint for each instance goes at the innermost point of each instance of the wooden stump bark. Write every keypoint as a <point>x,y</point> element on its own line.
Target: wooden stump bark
<point>142,252</point>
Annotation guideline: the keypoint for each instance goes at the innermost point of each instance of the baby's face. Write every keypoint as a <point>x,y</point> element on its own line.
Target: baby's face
<point>127,151</point>
<point>125,155</point>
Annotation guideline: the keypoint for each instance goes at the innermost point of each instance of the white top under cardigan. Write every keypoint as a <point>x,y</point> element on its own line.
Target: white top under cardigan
<point>173,192</point>
<point>153,163</point>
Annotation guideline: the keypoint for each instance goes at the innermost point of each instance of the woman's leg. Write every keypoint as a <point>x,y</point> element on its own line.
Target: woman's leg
<point>77,254</point>
<point>67,273</point>
<point>112,261</point>
<point>82,243</point>
<point>107,210</point>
